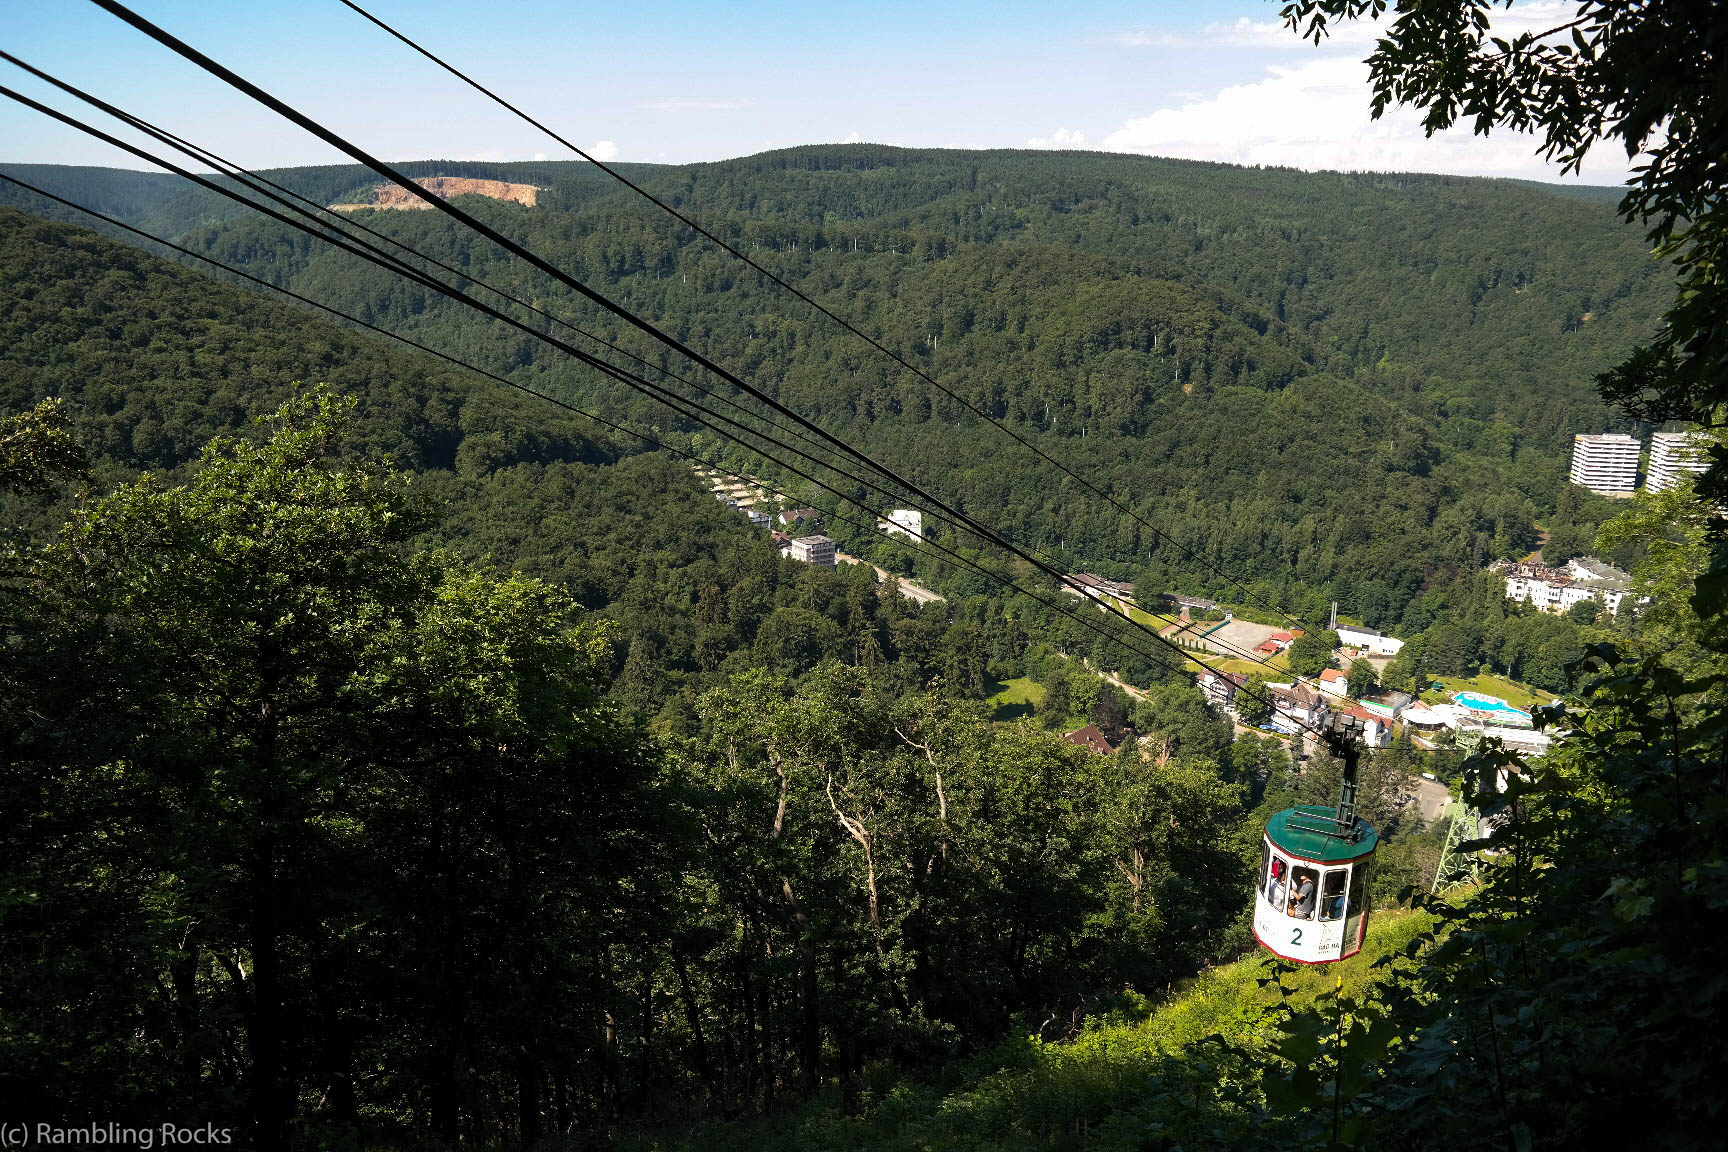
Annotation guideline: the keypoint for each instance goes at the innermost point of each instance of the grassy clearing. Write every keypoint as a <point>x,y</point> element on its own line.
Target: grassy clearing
<point>1150,619</point>
<point>1016,698</point>
<point>1274,668</point>
<point>1516,694</point>
<point>1025,1094</point>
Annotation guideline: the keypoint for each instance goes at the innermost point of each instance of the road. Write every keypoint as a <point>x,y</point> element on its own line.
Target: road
<point>914,592</point>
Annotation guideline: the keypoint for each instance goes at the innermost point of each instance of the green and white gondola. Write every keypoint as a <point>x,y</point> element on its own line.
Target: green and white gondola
<point>1311,894</point>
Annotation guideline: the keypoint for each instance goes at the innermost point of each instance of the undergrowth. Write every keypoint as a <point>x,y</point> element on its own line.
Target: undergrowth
<point>1110,1087</point>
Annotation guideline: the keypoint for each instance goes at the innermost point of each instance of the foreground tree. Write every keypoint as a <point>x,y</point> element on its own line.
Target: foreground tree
<point>288,803</point>
<point>37,450</point>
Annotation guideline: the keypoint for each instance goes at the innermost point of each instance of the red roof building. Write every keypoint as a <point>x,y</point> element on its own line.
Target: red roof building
<point>1089,737</point>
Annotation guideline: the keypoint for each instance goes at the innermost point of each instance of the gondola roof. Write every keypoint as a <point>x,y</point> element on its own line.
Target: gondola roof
<point>1310,832</point>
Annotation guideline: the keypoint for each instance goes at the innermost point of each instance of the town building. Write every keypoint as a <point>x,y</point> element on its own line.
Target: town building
<point>1376,729</point>
<point>1368,640</point>
<point>1334,683</point>
<point>1673,455</point>
<point>1188,603</point>
<point>801,517</point>
<point>1276,643</point>
<point>1422,720</point>
<point>1558,589</point>
<point>1297,707</point>
<point>1220,688</point>
<point>1388,705</point>
<point>904,522</point>
<point>1090,738</point>
<point>1516,733</point>
<point>1098,588</point>
<point>1606,462</point>
<point>813,550</point>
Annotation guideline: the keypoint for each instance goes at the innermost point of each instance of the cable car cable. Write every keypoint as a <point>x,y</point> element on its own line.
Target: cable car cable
<point>844,323</point>
<point>634,382</point>
<point>240,83</point>
<point>966,562</point>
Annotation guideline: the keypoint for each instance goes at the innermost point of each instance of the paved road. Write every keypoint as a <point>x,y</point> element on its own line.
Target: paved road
<point>914,592</point>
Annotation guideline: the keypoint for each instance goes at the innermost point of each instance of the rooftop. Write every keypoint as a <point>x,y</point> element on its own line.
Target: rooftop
<point>1090,737</point>
<point>1583,571</point>
<point>1293,831</point>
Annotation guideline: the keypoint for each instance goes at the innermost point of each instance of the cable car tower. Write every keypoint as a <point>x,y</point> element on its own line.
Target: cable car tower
<point>1311,897</point>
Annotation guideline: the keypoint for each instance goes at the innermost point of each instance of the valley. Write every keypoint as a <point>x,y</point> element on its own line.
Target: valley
<point>640,786</point>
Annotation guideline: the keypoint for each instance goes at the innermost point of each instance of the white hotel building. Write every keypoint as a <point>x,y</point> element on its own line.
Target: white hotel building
<point>1606,463</point>
<point>1672,455</point>
<point>1558,589</point>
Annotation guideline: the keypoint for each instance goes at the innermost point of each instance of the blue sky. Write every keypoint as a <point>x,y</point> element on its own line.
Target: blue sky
<point>679,81</point>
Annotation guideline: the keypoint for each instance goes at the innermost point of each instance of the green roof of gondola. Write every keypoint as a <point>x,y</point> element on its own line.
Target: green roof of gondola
<point>1294,831</point>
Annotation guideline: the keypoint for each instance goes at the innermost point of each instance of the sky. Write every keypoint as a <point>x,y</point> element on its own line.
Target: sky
<point>675,81</point>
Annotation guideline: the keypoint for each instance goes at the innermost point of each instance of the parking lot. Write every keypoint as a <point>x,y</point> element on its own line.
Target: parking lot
<point>1237,638</point>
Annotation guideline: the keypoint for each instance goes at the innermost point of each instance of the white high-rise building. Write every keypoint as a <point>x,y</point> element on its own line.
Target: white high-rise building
<point>1671,455</point>
<point>1606,463</point>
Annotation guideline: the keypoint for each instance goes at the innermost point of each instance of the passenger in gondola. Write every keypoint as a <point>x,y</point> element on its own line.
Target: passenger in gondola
<point>1332,900</point>
<point>1302,899</point>
<point>1276,887</point>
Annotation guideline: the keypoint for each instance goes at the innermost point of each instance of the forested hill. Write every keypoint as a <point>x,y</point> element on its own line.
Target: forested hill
<point>318,825</point>
<point>153,360</point>
<point>1340,386</point>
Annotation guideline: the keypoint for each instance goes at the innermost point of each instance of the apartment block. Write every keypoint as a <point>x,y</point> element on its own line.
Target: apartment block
<point>1672,456</point>
<point>1606,463</point>
<point>813,550</point>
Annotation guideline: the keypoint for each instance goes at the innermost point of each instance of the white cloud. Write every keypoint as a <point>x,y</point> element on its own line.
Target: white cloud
<point>1061,138</point>
<point>539,155</point>
<point>678,105</point>
<point>1314,115</point>
<point>604,150</point>
<point>853,138</point>
<point>1148,38</point>
<point>1244,32</point>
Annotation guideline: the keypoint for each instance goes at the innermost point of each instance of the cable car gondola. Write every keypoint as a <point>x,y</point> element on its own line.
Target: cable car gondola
<point>1311,895</point>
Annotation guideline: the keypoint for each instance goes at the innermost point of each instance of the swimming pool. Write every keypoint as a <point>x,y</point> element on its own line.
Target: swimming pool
<point>1493,705</point>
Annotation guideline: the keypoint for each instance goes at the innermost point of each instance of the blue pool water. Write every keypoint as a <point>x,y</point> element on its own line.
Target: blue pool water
<point>1477,702</point>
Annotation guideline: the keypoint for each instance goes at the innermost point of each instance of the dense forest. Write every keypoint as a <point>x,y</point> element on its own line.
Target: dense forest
<point>393,761</point>
<point>356,589</point>
<point>1334,387</point>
